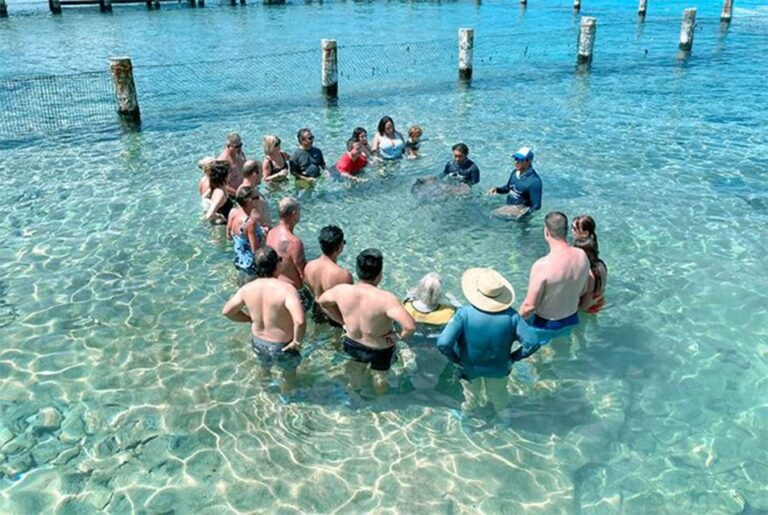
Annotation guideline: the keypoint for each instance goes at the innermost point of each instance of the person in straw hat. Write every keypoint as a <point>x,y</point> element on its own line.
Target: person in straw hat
<point>479,338</point>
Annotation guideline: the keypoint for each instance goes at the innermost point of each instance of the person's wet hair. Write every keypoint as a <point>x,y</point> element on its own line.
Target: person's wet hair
<point>265,261</point>
<point>302,132</point>
<point>557,225</point>
<point>234,140</point>
<point>370,263</point>
<point>244,194</point>
<point>287,207</point>
<point>251,168</point>
<point>383,123</point>
<point>585,223</point>
<point>357,132</point>
<point>270,143</point>
<point>331,238</point>
<point>589,246</point>
<point>218,173</point>
<point>415,132</point>
<point>461,147</point>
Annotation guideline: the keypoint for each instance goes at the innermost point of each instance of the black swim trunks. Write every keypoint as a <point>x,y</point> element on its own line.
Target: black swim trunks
<point>380,359</point>
<point>307,299</point>
<point>271,353</point>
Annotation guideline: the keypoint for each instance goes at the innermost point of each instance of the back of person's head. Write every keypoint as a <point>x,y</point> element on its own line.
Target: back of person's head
<point>287,207</point>
<point>265,261</point>
<point>331,239</point>
<point>357,132</point>
<point>251,168</point>
<point>557,225</point>
<point>415,132</point>
<point>370,263</point>
<point>218,173</point>
<point>429,290</point>
<point>383,123</point>
<point>585,223</point>
<point>589,246</point>
<point>351,144</point>
<point>301,133</point>
<point>461,147</point>
<point>234,140</point>
<point>244,194</point>
<point>270,143</point>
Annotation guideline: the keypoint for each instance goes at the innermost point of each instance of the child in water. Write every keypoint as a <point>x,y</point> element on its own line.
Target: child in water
<point>413,143</point>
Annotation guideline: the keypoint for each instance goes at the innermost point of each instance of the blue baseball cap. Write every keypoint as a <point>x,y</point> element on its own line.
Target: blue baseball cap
<point>524,154</point>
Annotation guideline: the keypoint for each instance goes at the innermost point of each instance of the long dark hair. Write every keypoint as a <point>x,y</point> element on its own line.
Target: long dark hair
<point>383,123</point>
<point>586,223</point>
<point>589,246</point>
<point>217,174</point>
<point>357,132</point>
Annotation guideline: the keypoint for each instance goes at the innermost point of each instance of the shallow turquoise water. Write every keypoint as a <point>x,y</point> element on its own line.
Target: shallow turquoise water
<point>110,288</point>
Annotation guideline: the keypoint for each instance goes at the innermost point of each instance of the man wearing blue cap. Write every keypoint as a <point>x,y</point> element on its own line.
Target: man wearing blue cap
<point>523,188</point>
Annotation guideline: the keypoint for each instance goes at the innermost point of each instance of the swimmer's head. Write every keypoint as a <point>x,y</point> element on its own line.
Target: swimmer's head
<point>245,194</point>
<point>523,154</point>
<point>270,144</point>
<point>556,225</point>
<point>354,147</point>
<point>460,152</point>
<point>360,134</point>
<point>429,290</point>
<point>415,132</point>
<point>234,141</point>
<point>205,163</point>
<point>369,265</point>
<point>288,208</point>
<point>583,228</point>
<point>251,169</point>
<point>217,173</point>
<point>331,239</point>
<point>266,261</point>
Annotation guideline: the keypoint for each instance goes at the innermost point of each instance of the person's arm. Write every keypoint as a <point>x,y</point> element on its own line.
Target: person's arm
<point>506,187</point>
<point>250,231</point>
<point>528,342</point>
<point>299,162</point>
<point>535,194</point>
<point>217,199</point>
<point>447,169</point>
<point>449,337</point>
<point>320,159</point>
<point>397,313</point>
<point>233,309</point>
<point>299,259</point>
<point>474,174</point>
<point>328,304</point>
<point>266,169</point>
<point>535,288</point>
<point>376,143</point>
<point>293,305</point>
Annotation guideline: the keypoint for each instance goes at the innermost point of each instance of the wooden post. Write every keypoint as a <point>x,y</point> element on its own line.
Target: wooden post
<point>587,39</point>
<point>201,3</point>
<point>156,4</point>
<point>577,5</point>
<point>105,6</point>
<point>3,9</point>
<point>121,69</point>
<point>274,2</point>
<point>149,4</point>
<point>242,2</point>
<point>727,11</point>
<point>642,7</point>
<point>686,29</point>
<point>330,80</point>
<point>466,49</point>
<point>524,2</point>
<point>55,6</point>
<point>192,3</point>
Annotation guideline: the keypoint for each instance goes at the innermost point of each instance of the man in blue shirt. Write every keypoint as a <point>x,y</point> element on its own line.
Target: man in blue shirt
<point>479,338</point>
<point>523,188</point>
<point>462,168</point>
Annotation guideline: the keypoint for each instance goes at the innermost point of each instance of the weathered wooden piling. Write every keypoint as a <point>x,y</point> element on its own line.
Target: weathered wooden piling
<point>587,39</point>
<point>727,11</point>
<point>577,5</point>
<point>201,3</point>
<point>3,9</point>
<point>523,2</point>
<point>242,2</point>
<point>192,3</point>
<point>642,7</point>
<point>105,6</point>
<point>330,75</point>
<point>156,4</point>
<point>121,69</point>
<point>274,2</point>
<point>466,49</point>
<point>686,29</point>
<point>55,6</point>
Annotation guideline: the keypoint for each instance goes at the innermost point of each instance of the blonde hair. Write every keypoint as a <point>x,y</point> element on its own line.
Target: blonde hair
<point>270,142</point>
<point>415,132</point>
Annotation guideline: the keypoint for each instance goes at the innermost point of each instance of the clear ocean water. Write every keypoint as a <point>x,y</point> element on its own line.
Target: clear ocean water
<point>123,389</point>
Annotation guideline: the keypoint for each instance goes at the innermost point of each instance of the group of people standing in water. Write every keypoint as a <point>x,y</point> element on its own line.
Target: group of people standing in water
<point>280,289</point>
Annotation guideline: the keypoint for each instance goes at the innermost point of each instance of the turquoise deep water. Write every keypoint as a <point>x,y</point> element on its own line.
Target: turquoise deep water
<point>123,389</point>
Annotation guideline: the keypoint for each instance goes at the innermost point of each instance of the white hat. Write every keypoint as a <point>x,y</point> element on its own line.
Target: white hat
<point>487,290</point>
<point>524,154</point>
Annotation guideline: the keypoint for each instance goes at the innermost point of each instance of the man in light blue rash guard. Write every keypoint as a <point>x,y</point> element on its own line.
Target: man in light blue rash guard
<point>479,338</point>
<point>524,185</point>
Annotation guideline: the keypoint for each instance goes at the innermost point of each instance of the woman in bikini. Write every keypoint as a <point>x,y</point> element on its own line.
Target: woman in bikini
<point>276,165</point>
<point>388,144</point>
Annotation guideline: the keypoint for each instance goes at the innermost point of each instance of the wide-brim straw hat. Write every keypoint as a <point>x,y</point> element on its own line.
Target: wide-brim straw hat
<point>487,290</point>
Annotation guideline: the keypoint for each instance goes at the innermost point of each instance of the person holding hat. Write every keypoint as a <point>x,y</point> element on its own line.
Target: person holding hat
<point>523,188</point>
<point>479,338</point>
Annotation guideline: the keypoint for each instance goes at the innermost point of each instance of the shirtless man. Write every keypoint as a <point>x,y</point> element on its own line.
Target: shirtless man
<point>323,273</point>
<point>556,283</point>
<point>233,152</point>
<point>290,248</point>
<point>367,313</point>
<point>275,314</point>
